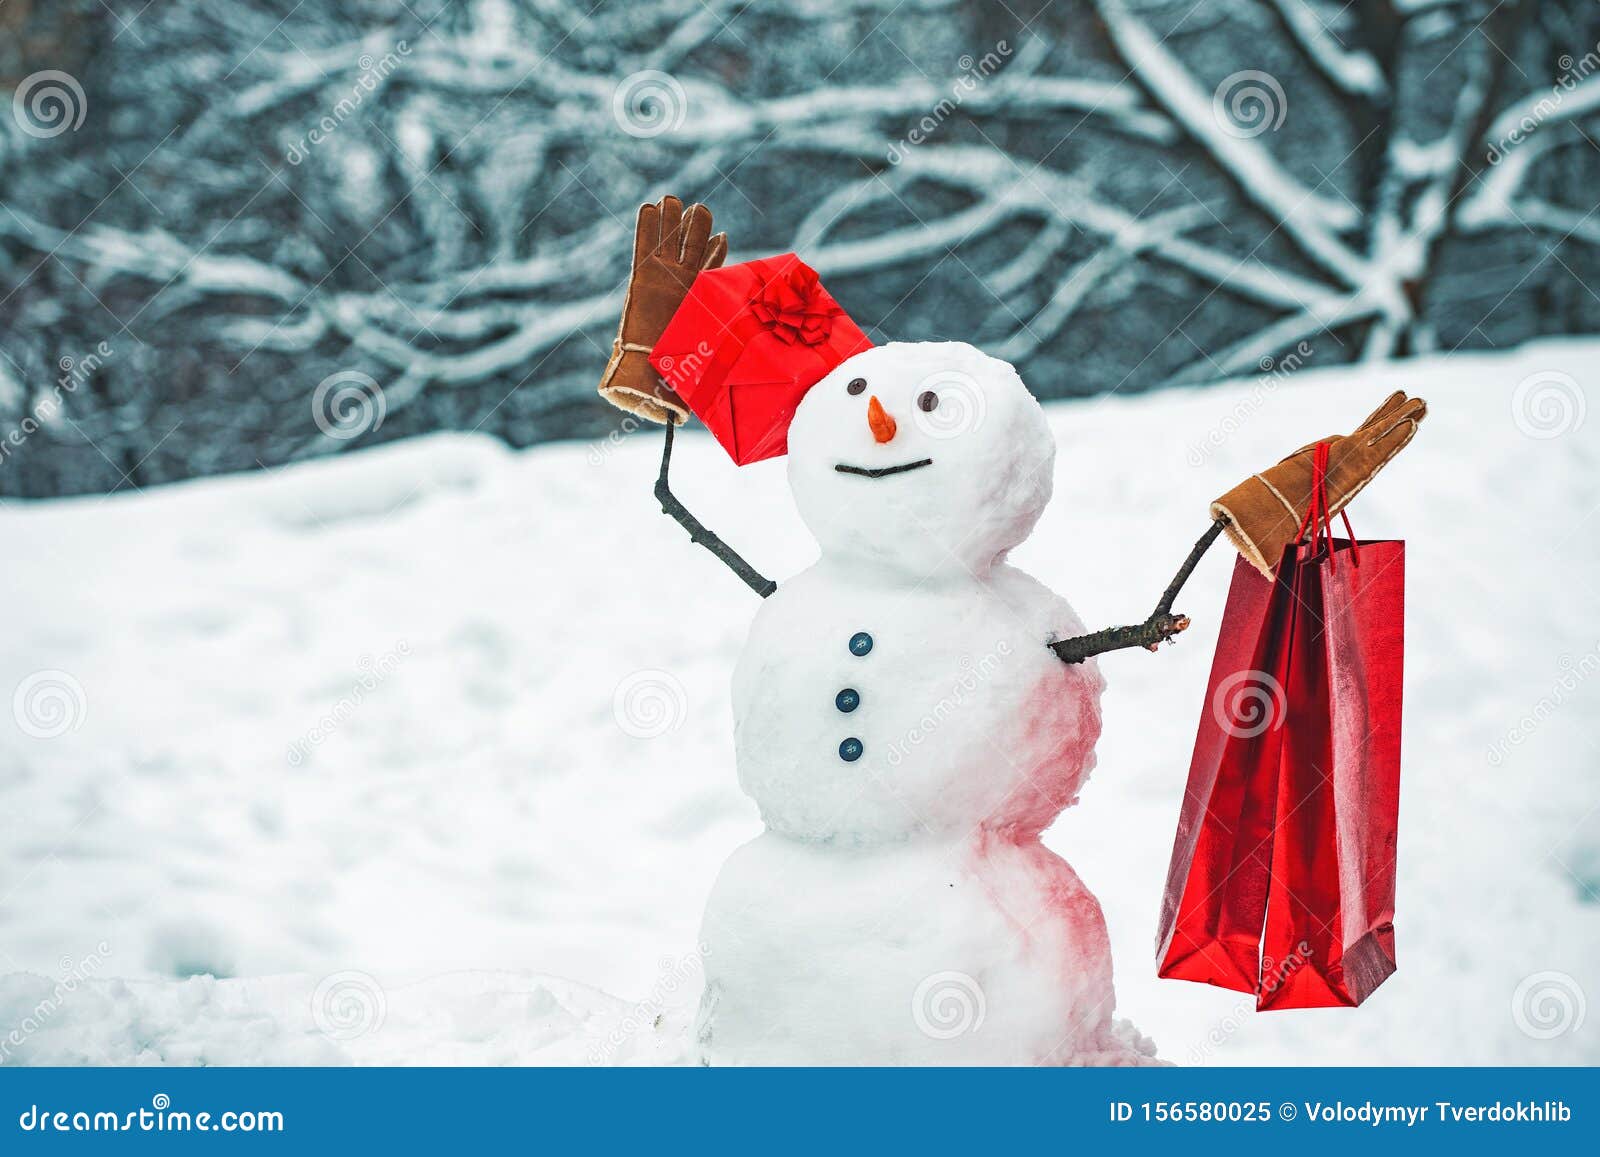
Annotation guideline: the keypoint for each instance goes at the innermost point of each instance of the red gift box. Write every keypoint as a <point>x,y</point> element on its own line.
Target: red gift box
<point>1282,880</point>
<point>747,343</point>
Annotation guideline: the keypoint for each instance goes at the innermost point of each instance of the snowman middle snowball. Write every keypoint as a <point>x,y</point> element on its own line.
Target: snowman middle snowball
<point>897,708</point>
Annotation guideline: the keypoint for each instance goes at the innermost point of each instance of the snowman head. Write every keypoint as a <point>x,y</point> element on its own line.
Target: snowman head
<point>930,458</point>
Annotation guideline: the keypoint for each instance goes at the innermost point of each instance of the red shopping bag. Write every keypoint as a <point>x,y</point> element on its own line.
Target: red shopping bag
<point>1283,870</point>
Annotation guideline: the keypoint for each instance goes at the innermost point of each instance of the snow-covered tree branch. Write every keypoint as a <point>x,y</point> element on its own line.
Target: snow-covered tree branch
<point>258,200</point>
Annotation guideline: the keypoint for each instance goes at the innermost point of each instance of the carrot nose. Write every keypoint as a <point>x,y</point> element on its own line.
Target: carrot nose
<point>883,426</point>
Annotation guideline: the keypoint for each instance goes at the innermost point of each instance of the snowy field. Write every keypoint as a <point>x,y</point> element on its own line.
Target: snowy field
<point>352,764</point>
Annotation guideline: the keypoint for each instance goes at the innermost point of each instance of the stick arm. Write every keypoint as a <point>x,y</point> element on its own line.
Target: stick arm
<point>1162,623</point>
<point>670,505</point>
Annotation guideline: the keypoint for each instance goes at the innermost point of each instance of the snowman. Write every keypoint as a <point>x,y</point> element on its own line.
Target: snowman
<point>908,733</point>
<point>906,715</point>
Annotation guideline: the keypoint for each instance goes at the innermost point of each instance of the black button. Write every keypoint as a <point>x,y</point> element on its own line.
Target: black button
<point>860,643</point>
<point>850,750</point>
<point>847,700</point>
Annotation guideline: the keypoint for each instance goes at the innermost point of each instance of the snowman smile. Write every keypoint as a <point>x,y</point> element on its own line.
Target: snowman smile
<point>883,471</point>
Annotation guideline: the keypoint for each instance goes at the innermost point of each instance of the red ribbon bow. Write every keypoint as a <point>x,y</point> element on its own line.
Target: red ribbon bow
<point>794,308</point>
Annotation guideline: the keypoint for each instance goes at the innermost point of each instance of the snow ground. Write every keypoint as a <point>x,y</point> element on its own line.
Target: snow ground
<point>345,734</point>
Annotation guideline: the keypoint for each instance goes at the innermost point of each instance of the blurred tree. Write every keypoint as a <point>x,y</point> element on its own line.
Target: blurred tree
<point>233,235</point>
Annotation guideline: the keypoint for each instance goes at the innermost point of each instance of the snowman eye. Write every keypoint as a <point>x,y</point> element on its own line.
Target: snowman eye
<point>856,385</point>
<point>928,401</point>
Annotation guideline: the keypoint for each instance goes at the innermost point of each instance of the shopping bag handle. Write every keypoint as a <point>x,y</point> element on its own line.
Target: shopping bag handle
<point>1317,518</point>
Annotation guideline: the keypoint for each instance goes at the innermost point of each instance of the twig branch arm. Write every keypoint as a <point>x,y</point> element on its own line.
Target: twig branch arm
<point>698,533</point>
<point>1162,623</point>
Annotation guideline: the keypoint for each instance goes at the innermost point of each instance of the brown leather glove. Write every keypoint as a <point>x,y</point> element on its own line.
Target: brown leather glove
<point>1264,512</point>
<point>671,246</point>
